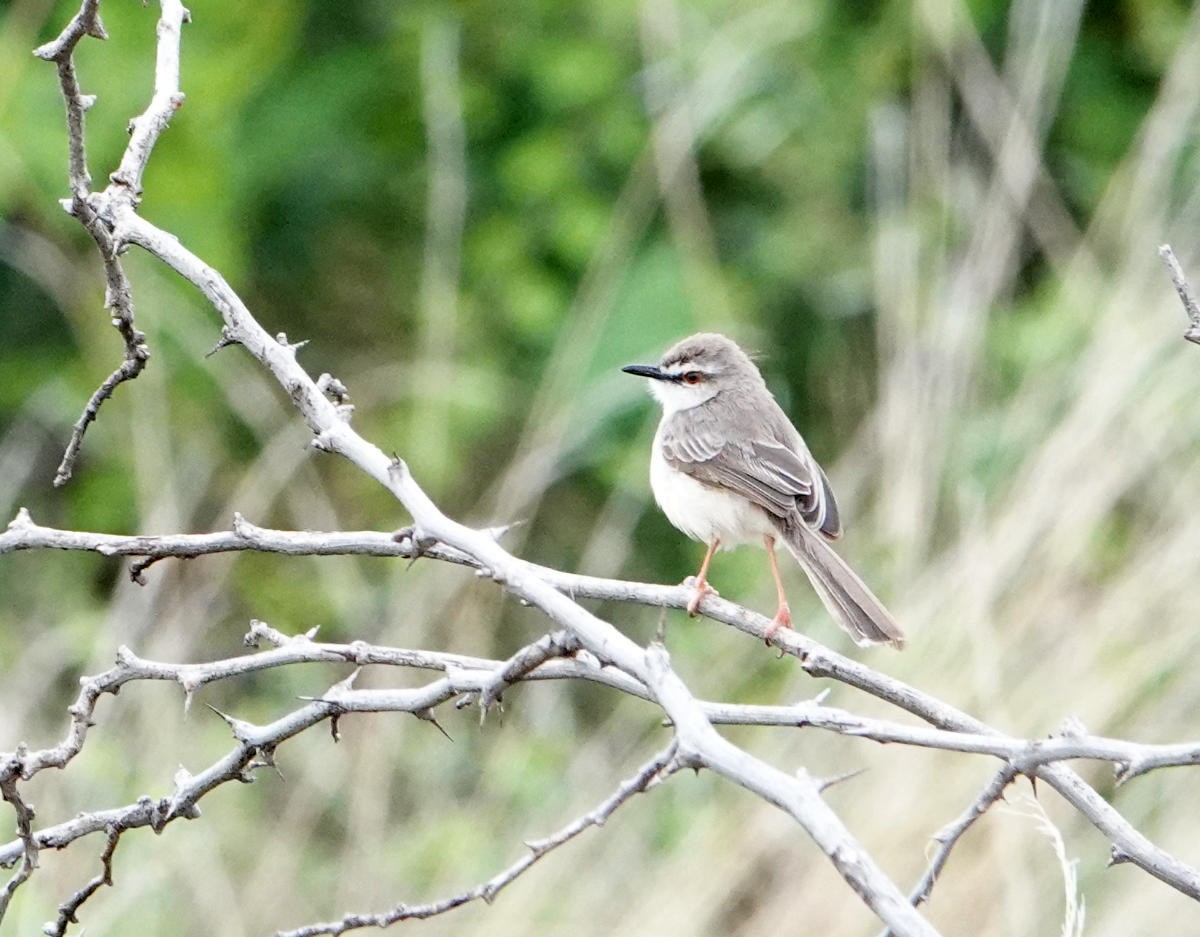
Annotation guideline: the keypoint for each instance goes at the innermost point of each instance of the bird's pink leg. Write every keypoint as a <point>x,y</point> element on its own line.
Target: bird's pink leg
<point>700,581</point>
<point>783,615</point>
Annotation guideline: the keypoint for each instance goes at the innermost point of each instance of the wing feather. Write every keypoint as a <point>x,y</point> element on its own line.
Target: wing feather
<point>758,456</point>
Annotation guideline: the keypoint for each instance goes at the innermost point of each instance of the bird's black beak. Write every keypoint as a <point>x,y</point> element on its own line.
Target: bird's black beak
<point>646,370</point>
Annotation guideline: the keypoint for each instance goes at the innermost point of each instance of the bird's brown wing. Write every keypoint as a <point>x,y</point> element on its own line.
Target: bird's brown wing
<point>780,478</point>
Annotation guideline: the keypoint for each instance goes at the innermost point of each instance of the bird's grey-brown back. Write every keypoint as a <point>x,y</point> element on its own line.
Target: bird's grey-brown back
<point>734,434</point>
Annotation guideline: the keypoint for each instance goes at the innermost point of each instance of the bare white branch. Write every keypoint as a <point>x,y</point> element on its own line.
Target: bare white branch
<point>612,658</point>
<point>954,730</point>
<point>68,911</point>
<point>963,735</point>
<point>167,99</point>
<point>94,211</point>
<point>1024,756</point>
<point>947,838</point>
<point>27,845</point>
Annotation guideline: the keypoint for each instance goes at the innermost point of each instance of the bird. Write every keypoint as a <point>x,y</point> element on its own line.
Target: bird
<point>728,468</point>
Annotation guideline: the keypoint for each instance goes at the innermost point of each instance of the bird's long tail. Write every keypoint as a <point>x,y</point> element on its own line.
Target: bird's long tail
<point>847,597</point>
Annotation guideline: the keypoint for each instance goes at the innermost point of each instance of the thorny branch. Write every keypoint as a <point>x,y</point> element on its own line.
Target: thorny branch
<point>26,846</point>
<point>461,676</point>
<point>585,647</point>
<point>947,838</point>
<point>69,909</point>
<point>94,211</point>
<point>256,746</point>
<point>954,731</point>
<point>467,678</point>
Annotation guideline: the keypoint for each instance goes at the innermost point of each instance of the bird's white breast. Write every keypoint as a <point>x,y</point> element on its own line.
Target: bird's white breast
<point>704,512</point>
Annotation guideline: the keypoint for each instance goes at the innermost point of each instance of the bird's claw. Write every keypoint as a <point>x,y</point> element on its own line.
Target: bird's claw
<point>416,540</point>
<point>782,619</point>
<point>700,591</point>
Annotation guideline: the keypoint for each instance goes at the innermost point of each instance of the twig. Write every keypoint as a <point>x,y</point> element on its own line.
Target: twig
<point>1127,840</point>
<point>112,219</point>
<point>1024,756</point>
<point>462,675</point>
<point>27,842</point>
<point>1179,281</point>
<point>95,211</point>
<point>947,838</point>
<point>521,664</point>
<point>61,51</point>
<point>963,732</point>
<point>68,911</point>
<point>136,355</point>
<point>146,128</point>
<point>655,770</point>
<point>24,534</point>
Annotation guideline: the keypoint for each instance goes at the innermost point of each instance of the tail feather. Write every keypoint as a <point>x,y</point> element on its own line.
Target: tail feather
<point>847,597</point>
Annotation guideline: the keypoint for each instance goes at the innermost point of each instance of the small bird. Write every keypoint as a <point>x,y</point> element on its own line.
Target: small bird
<point>728,468</point>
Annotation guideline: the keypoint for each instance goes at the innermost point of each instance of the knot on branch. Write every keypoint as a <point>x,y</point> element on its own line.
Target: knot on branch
<point>128,185</point>
<point>290,347</point>
<point>414,542</point>
<point>22,522</point>
<point>332,388</point>
<point>14,764</point>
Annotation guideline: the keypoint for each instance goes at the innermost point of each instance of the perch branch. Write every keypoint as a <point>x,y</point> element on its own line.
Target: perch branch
<point>699,743</point>
<point>961,733</point>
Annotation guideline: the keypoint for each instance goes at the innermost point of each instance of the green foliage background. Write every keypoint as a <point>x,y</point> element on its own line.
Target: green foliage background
<point>474,215</point>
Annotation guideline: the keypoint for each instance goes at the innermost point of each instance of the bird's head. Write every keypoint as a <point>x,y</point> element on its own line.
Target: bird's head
<point>695,370</point>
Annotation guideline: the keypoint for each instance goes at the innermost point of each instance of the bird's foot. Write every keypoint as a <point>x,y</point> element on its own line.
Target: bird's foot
<point>782,619</point>
<point>416,540</point>
<point>701,591</point>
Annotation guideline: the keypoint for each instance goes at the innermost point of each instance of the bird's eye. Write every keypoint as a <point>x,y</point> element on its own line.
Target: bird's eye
<point>693,377</point>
